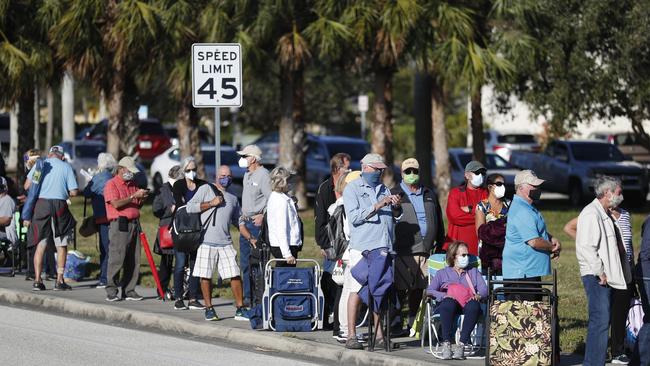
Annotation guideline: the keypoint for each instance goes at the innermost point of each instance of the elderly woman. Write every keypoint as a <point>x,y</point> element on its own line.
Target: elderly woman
<point>95,191</point>
<point>284,225</point>
<point>184,190</point>
<point>491,214</point>
<point>457,290</point>
<point>163,208</point>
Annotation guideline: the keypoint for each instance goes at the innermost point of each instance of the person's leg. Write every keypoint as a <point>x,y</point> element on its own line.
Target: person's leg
<point>414,298</point>
<point>328,287</point>
<point>599,301</point>
<point>336,327</point>
<point>244,259</point>
<point>343,308</point>
<point>643,338</point>
<point>62,256</point>
<point>49,266</point>
<point>132,260</point>
<point>165,269</point>
<point>39,254</point>
<point>179,269</point>
<point>620,309</point>
<point>193,281</point>
<point>472,312</point>
<point>228,269</point>
<point>206,290</point>
<point>353,311</point>
<point>447,308</point>
<point>116,254</point>
<point>103,253</point>
<point>237,292</point>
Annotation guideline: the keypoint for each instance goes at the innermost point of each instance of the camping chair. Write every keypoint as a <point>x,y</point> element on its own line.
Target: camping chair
<point>431,327</point>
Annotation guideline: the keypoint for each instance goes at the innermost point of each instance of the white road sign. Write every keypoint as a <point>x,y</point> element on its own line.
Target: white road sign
<point>216,75</point>
<point>362,103</point>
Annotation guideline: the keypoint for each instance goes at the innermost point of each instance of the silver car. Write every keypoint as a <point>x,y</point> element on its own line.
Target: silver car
<point>503,144</point>
<point>82,155</point>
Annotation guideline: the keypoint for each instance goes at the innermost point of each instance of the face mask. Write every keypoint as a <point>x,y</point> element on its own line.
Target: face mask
<point>499,192</point>
<point>411,178</point>
<point>127,176</point>
<point>462,262</point>
<point>190,175</point>
<point>372,178</point>
<point>243,163</point>
<point>225,181</point>
<point>615,201</point>
<point>477,180</point>
<point>535,194</point>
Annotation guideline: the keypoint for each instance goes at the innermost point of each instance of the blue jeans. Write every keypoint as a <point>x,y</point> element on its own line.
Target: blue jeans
<point>103,253</point>
<point>244,258</point>
<point>643,338</point>
<point>599,304</point>
<point>449,309</point>
<point>179,273</point>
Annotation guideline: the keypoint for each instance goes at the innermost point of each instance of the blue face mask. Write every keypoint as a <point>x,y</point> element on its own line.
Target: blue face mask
<point>225,181</point>
<point>372,178</point>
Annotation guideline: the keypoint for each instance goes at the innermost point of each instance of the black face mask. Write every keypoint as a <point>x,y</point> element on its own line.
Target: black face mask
<point>535,194</point>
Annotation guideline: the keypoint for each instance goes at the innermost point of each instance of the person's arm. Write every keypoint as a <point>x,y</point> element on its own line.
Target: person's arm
<point>356,214</point>
<point>200,201</point>
<point>644,252</point>
<point>434,288</point>
<point>5,221</point>
<point>279,224</point>
<point>88,190</point>
<point>247,234</point>
<point>158,207</point>
<point>71,181</point>
<point>480,286</point>
<point>571,228</point>
<point>177,191</point>
<point>587,239</point>
<point>455,213</point>
<point>265,186</point>
<point>440,223</point>
<point>236,213</point>
<point>479,218</point>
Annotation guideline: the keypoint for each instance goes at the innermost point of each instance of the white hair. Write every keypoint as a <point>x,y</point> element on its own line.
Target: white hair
<point>280,179</point>
<point>604,184</point>
<point>106,162</point>
<point>187,161</point>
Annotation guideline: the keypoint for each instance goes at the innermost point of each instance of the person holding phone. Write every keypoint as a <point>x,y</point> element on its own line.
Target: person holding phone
<point>123,202</point>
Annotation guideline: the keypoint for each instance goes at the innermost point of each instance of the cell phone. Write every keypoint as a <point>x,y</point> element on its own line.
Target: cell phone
<point>401,194</point>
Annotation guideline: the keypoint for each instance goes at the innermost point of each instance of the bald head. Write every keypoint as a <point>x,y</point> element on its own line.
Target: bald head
<point>224,176</point>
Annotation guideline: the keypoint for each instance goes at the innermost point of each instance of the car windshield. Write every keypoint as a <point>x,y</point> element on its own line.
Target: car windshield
<point>88,151</point>
<point>492,161</point>
<point>596,152</point>
<point>516,139</point>
<point>356,150</point>
<point>151,128</point>
<point>228,157</point>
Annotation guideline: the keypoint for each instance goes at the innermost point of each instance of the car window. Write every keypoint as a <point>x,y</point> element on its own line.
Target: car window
<point>315,151</point>
<point>625,139</point>
<point>172,132</point>
<point>492,161</point>
<point>561,152</point>
<point>229,157</point>
<point>150,128</point>
<point>596,152</point>
<point>175,155</point>
<point>4,121</point>
<point>517,139</point>
<point>88,151</point>
<point>269,138</point>
<point>356,150</point>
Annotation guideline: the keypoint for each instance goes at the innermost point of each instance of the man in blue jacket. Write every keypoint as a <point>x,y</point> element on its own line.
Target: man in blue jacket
<point>643,280</point>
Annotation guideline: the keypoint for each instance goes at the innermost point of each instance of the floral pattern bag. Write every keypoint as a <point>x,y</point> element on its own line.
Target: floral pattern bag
<point>520,333</point>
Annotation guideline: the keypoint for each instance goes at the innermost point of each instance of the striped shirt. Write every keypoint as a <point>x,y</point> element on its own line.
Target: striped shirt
<point>624,224</point>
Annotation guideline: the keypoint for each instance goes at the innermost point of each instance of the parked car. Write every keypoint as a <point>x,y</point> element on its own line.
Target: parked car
<point>503,144</point>
<point>459,157</point>
<point>204,135</point>
<point>628,144</point>
<point>172,156</point>
<point>152,139</point>
<point>320,150</point>
<point>570,167</point>
<point>82,155</point>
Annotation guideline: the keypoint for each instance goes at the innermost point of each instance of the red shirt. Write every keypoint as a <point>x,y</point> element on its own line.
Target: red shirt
<point>462,225</point>
<point>117,189</point>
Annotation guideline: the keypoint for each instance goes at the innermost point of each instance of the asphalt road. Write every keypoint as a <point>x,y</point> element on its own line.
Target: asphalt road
<point>32,338</point>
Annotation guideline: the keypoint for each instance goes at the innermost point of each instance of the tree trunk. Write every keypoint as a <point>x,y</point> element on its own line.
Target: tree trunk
<point>292,131</point>
<point>67,106</point>
<point>25,130</point>
<point>382,127</point>
<point>478,136</point>
<point>115,114</point>
<point>12,163</point>
<point>49,129</point>
<point>188,136</point>
<point>440,150</point>
<point>423,127</point>
<point>37,119</point>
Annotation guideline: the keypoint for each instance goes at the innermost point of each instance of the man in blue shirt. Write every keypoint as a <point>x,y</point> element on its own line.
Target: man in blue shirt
<point>52,218</point>
<point>367,205</point>
<point>419,230</point>
<point>529,247</point>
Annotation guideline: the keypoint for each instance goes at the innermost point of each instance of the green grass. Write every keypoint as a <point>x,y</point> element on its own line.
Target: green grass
<point>572,306</point>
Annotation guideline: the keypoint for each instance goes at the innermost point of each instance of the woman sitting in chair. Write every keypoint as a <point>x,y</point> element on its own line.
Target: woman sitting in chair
<point>457,290</point>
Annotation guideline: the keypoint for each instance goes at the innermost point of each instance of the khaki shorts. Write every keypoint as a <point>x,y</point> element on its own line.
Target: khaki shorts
<point>411,272</point>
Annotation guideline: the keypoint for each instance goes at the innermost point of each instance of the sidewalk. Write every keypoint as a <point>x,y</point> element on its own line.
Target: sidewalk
<point>86,302</point>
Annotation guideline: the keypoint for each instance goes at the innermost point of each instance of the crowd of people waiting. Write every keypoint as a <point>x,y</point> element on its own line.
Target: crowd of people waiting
<point>355,214</point>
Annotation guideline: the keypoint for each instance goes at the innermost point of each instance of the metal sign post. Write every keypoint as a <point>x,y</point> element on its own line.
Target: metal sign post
<point>216,82</point>
<point>363,108</point>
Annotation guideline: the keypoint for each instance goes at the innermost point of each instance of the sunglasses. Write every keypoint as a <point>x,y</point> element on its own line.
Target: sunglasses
<point>411,171</point>
<point>498,184</point>
<point>190,170</point>
<point>463,255</point>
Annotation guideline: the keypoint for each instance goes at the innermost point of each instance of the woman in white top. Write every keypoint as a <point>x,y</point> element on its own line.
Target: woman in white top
<point>284,226</point>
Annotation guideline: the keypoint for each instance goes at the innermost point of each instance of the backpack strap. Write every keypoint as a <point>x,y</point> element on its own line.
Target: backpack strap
<point>217,193</point>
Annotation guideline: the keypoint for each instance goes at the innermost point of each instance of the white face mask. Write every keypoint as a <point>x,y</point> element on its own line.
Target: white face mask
<point>243,163</point>
<point>477,180</point>
<point>190,175</point>
<point>499,192</point>
<point>462,262</point>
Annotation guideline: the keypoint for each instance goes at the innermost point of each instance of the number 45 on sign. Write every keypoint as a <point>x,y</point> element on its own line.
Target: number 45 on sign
<point>216,75</point>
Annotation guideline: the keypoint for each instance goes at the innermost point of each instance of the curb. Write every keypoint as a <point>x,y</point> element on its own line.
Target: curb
<point>170,324</point>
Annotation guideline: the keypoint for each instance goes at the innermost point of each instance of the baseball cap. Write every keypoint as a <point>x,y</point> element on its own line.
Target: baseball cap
<point>474,166</point>
<point>129,163</point>
<point>527,177</point>
<point>56,149</point>
<point>251,150</point>
<point>374,160</point>
<point>410,163</point>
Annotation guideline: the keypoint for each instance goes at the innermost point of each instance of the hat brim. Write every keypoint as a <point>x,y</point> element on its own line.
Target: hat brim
<point>377,165</point>
<point>537,182</point>
<point>133,170</point>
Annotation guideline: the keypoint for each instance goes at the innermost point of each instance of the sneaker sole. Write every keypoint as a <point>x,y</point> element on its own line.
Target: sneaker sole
<point>620,362</point>
<point>241,319</point>
<point>38,289</point>
<point>212,320</point>
<point>175,308</point>
<point>62,289</point>
<point>113,299</point>
<point>196,308</point>
<point>134,299</point>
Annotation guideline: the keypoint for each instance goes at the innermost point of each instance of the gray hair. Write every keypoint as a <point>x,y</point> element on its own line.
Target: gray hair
<point>605,183</point>
<point>175,172</point>
<point>280,179</point>
<point>106,162</point>
<point>187,161</point>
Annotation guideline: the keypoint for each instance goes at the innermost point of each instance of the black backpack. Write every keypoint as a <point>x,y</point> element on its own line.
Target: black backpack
<point>187,229</point>
<point>336,235</point>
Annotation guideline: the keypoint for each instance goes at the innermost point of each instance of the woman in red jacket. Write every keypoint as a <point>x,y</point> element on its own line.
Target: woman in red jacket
<point>461,207</point>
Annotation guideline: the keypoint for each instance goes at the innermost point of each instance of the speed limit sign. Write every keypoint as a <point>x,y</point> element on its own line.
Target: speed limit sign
<point>216,75</point>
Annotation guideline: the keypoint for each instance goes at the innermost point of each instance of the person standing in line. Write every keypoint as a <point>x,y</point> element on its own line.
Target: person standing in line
<point>164,206</point>
<point>285,227</point>
<point>52,219</point>
<point>603,265</point>
<point>123,202</point>
<point>325,197</point>
<point>491,216</point>
<point>255,194</point>
<point>461,207</point>
<point>95,191</point>
<point>642,350</point>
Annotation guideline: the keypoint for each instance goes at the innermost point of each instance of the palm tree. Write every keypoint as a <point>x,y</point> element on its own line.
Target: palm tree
<point>111,42</point>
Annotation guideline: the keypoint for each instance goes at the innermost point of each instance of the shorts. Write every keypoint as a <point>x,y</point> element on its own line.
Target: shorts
<point>349,282</point>
<point>224,258</point>
<point>411,272</point>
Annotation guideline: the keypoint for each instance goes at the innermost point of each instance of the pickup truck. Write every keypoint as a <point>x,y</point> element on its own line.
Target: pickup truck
<point>570,167</point>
